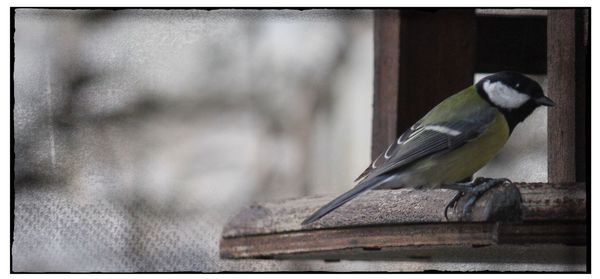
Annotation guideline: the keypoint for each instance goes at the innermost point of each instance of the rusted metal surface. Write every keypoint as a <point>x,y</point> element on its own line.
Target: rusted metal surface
<point>549,214</point>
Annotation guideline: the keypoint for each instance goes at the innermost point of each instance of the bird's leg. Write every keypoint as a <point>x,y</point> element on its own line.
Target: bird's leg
<point>475,189</point>
<point>461,187</point>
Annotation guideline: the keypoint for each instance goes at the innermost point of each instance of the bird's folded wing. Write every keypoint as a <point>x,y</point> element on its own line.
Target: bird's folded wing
<point>422,140</point>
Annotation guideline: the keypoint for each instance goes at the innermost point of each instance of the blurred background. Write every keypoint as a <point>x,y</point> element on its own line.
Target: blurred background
<point>139,133</point>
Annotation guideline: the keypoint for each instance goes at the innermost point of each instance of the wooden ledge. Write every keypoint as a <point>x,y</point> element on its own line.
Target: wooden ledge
<point>512,12</point>
<point>399,224</point>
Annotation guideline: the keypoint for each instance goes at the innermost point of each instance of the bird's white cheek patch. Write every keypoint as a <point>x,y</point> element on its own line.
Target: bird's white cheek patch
<point>504,96</point>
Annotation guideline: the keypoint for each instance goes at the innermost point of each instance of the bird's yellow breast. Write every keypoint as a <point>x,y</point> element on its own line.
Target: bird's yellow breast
<point>463,162</point>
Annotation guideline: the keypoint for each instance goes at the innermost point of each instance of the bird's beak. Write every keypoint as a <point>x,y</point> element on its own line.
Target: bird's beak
<point>544,101</point>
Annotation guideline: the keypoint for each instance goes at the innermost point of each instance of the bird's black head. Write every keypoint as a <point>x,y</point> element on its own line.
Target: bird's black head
<point>514,94</point>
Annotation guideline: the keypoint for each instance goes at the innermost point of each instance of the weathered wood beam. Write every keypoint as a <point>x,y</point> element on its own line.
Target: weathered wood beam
<point>582,103</point>
<point>416,67</point>
<point>566,85</point>
<point>333,244</point>
<point>385,99</point>
<point>403,219</point>
<point>437,59</point>
<point>512,12</point>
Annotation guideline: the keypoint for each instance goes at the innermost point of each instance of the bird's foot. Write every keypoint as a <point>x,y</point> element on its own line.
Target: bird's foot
<point>474,190</point>
<point>452,204</point>
<point>477,191</point>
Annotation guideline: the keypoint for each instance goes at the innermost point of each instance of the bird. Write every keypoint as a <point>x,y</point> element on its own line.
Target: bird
<point>452,141</point>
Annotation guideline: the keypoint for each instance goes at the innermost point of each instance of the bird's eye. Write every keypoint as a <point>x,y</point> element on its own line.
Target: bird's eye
<point>517,86</point>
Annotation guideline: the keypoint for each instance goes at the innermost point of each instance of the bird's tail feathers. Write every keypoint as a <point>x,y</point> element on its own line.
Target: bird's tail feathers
<point>344,198</point>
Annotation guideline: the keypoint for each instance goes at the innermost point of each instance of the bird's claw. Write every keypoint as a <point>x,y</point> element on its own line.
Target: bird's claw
<point>452,204</point>
<point>479,186</point>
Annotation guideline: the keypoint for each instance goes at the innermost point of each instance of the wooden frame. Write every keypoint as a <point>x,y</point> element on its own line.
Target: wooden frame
<point>386,224</point>
<point>405,225</point>
<point>567,63</point>
<point>402,40</point>
<point>567,85</point>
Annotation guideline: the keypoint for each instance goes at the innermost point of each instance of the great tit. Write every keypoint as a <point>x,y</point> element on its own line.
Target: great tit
<point>453,140</point>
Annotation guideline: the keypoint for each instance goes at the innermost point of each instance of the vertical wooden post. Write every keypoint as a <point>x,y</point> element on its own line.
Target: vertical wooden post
<point>421,57</point>
<point>582,105</point>
<point>565,78</point>
<point>385,99</point>
<point>437,59</point>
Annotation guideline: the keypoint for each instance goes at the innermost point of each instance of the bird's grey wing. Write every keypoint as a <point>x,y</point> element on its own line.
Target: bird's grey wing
<point>419,141</point>
<point>423,140</point>
<point>413,130</point>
